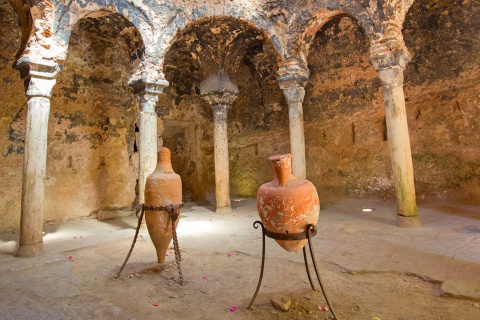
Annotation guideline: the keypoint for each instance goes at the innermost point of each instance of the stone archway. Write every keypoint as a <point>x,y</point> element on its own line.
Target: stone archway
<point>247,56</point>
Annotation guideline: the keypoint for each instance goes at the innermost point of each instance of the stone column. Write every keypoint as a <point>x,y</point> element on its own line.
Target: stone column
<point>292,77</point>
<point>220,92</point>
<point>390,67</point>
<point>147,94</point>
<point>39,80</point>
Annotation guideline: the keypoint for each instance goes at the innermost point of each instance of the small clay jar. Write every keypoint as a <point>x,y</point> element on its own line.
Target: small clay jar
<point>287,204</point>
<point>163,187</point>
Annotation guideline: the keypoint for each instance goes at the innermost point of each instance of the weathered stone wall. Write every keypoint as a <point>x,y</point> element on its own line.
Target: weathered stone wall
<point>345,133</point>
<point>12,120</point>
<point>90,163</point>
<point>442,85</point>
<point>347,150</point>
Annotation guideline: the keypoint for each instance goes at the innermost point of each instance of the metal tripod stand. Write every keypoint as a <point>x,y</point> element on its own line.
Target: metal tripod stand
<point>310,231</point>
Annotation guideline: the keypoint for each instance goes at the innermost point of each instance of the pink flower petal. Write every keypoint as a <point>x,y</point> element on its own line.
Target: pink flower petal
<point>70,258</point>
<point>204,277</point>
<point>166,254</point>
<point>233,308</point>
<point>229,254</point>
<point>155,304</point>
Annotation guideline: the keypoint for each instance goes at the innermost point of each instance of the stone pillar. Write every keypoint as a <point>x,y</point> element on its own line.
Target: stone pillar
<point>292,78</point>
<point>390,67</point>
<point>39,80</point>
<point>220,92</point>
<point>147,94</point>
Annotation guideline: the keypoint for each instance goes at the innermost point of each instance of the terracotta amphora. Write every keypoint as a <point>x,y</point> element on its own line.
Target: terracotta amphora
<point>163,187</point>
<point>287,204</point>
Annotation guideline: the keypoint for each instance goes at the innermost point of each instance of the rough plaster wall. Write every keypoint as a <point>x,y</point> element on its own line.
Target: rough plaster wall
<point>91,130</point>
<point>12,119</point>
<point>442,85</point>
<point>346,147</point>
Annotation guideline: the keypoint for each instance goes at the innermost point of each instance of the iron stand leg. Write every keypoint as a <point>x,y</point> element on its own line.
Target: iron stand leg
<point>255,225</point>
<point>310,227</point>
<point>142,207</point>
<point>306,267</point>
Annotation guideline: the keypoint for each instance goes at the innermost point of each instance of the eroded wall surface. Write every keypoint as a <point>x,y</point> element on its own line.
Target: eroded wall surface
<point>345,130</point>
<point>442,86</point>
<point>91,158</point>
<point>12,119</point>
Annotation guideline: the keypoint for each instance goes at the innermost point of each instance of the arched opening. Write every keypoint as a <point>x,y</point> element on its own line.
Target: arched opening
<point>345,132</point>
<point>12,119</point>
<point>441,89</point>
<point>91,143</point>
<point>257,119</point>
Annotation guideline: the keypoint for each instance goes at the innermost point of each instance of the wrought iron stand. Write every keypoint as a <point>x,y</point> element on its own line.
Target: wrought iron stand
<point>310,231</point>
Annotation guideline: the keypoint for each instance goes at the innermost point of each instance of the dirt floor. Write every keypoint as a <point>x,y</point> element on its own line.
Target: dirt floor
<point>370,268</point>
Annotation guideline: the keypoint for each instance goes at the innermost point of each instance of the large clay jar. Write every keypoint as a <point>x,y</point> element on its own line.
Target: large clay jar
<point>287,204</point>
<point>163,187</point>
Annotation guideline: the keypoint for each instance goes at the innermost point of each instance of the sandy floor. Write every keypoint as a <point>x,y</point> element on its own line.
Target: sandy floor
<point>370,268</point>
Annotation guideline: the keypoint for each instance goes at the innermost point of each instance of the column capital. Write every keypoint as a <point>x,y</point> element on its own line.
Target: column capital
<point>381,57</point>
<point>293,70</point>
<point>142,86</point>
<point>292,78</point>
<point>38,76</point>
<point>219,89</point>
<point>147,101</point>
<point>219,98</point>
<point>147,92</point>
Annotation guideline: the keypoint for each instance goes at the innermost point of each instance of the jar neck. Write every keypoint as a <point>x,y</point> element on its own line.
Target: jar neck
<point>164,162</point>
<point>282,167</point>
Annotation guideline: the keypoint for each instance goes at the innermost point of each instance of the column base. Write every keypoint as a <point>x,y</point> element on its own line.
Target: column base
<point>408,222</point>
<point>223,210</point>
<point>30,250</point>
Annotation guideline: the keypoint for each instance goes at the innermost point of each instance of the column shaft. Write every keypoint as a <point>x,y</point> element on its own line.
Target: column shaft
<point>294,92</point>
<point>33,179</point>
<point>220,92</point>
<point>222,168</point>
<point>297,140</point>
<point>39,79</point>
<point>148,141</point>
<point>399,144</point>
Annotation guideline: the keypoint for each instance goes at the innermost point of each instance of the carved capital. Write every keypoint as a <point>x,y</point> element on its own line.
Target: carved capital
<point>142,86</point>
<point>392,77</point>
<point>389,52</point>
<point>220,112</point>
<point>219,89</point>
<point>397,58</point>
<point>293,70</point>
<point>38,77</point>
<point>147,92</point>
<point>292,77</point>
<point>147,101</point>
<point>220,98</point>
